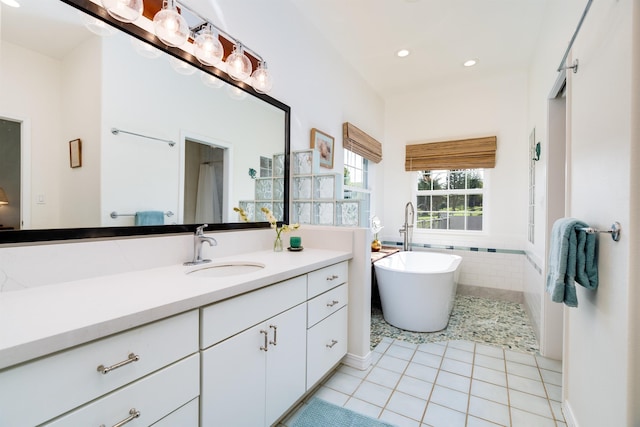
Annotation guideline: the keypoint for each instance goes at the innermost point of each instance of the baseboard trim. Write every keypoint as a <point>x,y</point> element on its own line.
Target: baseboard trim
<point>568,414</point>
<point>358,362</point>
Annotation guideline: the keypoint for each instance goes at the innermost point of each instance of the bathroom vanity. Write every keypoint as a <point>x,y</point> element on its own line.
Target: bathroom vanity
<point>163,347</point>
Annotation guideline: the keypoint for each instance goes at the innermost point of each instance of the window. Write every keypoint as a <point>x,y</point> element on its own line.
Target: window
<point>450,199</point>
<point>356,180</point>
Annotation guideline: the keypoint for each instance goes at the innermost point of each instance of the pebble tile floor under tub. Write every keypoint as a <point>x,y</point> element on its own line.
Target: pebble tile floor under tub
<point>482,370</point>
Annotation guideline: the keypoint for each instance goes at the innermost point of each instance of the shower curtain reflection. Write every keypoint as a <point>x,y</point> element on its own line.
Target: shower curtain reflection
<point>207,199</point>
<point>204,183</point>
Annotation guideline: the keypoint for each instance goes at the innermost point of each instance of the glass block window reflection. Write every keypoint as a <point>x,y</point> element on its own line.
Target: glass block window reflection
<point>450,199</point>
<point>266,167</point>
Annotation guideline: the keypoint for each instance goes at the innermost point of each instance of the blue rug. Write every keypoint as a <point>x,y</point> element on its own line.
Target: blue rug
<point>319,413</point>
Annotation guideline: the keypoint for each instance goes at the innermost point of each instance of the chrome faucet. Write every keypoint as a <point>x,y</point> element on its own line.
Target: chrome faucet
<point>198,239</point>
<point>407,228</point>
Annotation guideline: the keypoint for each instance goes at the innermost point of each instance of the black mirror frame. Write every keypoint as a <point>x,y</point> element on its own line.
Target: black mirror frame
<point>47,235</point>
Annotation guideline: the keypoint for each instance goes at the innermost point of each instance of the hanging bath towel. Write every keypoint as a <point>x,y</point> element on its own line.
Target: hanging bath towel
<point>572,259</point>
<point>150,218</point>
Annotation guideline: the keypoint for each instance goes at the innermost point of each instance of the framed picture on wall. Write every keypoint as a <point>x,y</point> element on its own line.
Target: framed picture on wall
<point>75,153</point>
<point>324,145</point>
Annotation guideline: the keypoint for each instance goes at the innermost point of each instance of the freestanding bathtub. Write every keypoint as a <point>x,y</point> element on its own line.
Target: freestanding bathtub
<point>417,289</point>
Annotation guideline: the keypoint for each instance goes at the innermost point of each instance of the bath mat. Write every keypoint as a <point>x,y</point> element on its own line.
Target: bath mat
<point>319,413</point>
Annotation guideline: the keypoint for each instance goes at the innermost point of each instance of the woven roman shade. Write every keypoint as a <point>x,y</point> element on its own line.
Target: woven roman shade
<point>355,140</point>
<point>461,154</point>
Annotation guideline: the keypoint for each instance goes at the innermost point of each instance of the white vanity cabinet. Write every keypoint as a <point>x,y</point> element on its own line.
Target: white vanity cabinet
<point>252,377</point>
<point>36,392</point>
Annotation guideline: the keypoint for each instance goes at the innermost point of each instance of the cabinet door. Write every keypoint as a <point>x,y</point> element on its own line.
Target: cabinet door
<point>286,361</point>
<point>233,381</point>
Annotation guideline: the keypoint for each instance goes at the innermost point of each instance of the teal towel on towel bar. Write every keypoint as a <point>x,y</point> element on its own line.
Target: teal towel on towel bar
<point>150,218</point>
<point>572,258</point>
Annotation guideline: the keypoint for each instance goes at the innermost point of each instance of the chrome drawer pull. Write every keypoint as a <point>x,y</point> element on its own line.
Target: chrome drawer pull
<point>332,303</point>
<point>133,414</point>
<point>130,359</point>
<point>275,335</point>
<point>266,340</point>
<point>332,277</point>
<point>333,342</point>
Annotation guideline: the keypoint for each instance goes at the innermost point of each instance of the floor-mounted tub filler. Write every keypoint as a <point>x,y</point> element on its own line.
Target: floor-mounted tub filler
<point>417,289</point>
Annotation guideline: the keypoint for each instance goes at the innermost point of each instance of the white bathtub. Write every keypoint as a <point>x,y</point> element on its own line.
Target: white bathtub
<point>417,289</point>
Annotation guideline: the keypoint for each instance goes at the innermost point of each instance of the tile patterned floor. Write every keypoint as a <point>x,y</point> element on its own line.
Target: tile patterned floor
<point>451,383</point>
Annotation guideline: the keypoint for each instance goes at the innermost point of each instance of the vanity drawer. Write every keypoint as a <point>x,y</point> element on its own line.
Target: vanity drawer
<point>187,416</point>
<point>153,397</point>
<point>227,318</point>
<point>325,304</point>
<point>40,390</point>
<point>326,345</point>
<point>327,278</point>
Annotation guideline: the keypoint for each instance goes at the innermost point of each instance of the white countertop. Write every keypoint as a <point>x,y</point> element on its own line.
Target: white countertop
<point>39,321</point>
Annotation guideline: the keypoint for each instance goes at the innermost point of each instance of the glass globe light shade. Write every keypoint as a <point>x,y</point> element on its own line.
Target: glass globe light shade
<point>261,79</point>
<point>170,26</point>
<point>124,10</point>
<point>211,81</point>
<point>145,49</point>
<point>238,65</point>
<point>207,47</point>
<point>181,67</point>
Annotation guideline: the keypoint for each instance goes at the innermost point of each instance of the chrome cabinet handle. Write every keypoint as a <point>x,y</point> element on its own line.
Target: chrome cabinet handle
<point>130,359</point>
<point>332,277</point>
<point>275,335</point>
<point>133,414</point>
<point>333,342</point>
<point>332,303</point>
<point>266,340</point>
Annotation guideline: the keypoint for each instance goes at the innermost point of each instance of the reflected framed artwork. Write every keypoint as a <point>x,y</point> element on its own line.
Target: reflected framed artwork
<point>75,153</point>
<point>324,145</point>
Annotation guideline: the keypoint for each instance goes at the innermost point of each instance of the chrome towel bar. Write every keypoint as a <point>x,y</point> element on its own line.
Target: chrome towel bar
<point>614,231</point>
<point>116,131</point>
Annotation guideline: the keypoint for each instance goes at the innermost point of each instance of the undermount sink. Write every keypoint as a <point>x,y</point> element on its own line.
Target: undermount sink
<point>226,269</point>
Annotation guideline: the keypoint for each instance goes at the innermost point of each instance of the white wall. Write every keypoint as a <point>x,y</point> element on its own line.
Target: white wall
<point>598,355</point>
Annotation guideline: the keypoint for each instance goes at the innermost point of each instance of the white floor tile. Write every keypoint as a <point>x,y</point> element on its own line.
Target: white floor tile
<point>384,377</point>
<point>526,371</point>
<point>551,377</point>
<point>405,344</point>
<point>527,402</point>
<point>490,391</point>
<point>331,396</point>
<point>554,392</point>
<point>488,350</point>
<point>364,408</point>
<point>425,373</point>
<point>489,362</point>
<point>401,352</point>
<point>450,398</point>
<point>398,420</point>
<point>556,408</point>
<point>454,381</point>
<point>433,348</point>
<point>457,367</point>
<point>524,358</point>
<point>527,419</point>
<point>343,383</point>
<point>457,354</point>
<point>462,345</point>
<point>526,385</point>
<point>550,364</point>
<point>488,410</point>
<point>407,405</point>
<point>479,422</point>
<point>392,363</point>
<point>490,376</point>
<point>383,345</point>
<point>441,416</point>
<point>373,393</point>
<point>428,359</point>
<point>415,387</point>
<point>353,371</point>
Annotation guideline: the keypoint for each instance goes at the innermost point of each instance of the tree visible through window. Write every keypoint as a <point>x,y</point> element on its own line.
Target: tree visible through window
<point>450,199</point>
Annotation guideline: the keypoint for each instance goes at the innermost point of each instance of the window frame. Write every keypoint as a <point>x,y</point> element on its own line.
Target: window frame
<point>475,191</point>
<point>366,190</point>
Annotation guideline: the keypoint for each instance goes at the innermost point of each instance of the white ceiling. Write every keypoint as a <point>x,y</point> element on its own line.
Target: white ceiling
<point>441,35</point>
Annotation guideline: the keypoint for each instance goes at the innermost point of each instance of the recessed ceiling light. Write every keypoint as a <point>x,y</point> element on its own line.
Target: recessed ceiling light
<point>402,53</point>
<point>470,62</point>
<point>12,3</point>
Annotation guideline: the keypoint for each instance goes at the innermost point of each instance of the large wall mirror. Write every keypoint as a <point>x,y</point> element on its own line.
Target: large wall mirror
<point>100,133</point>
